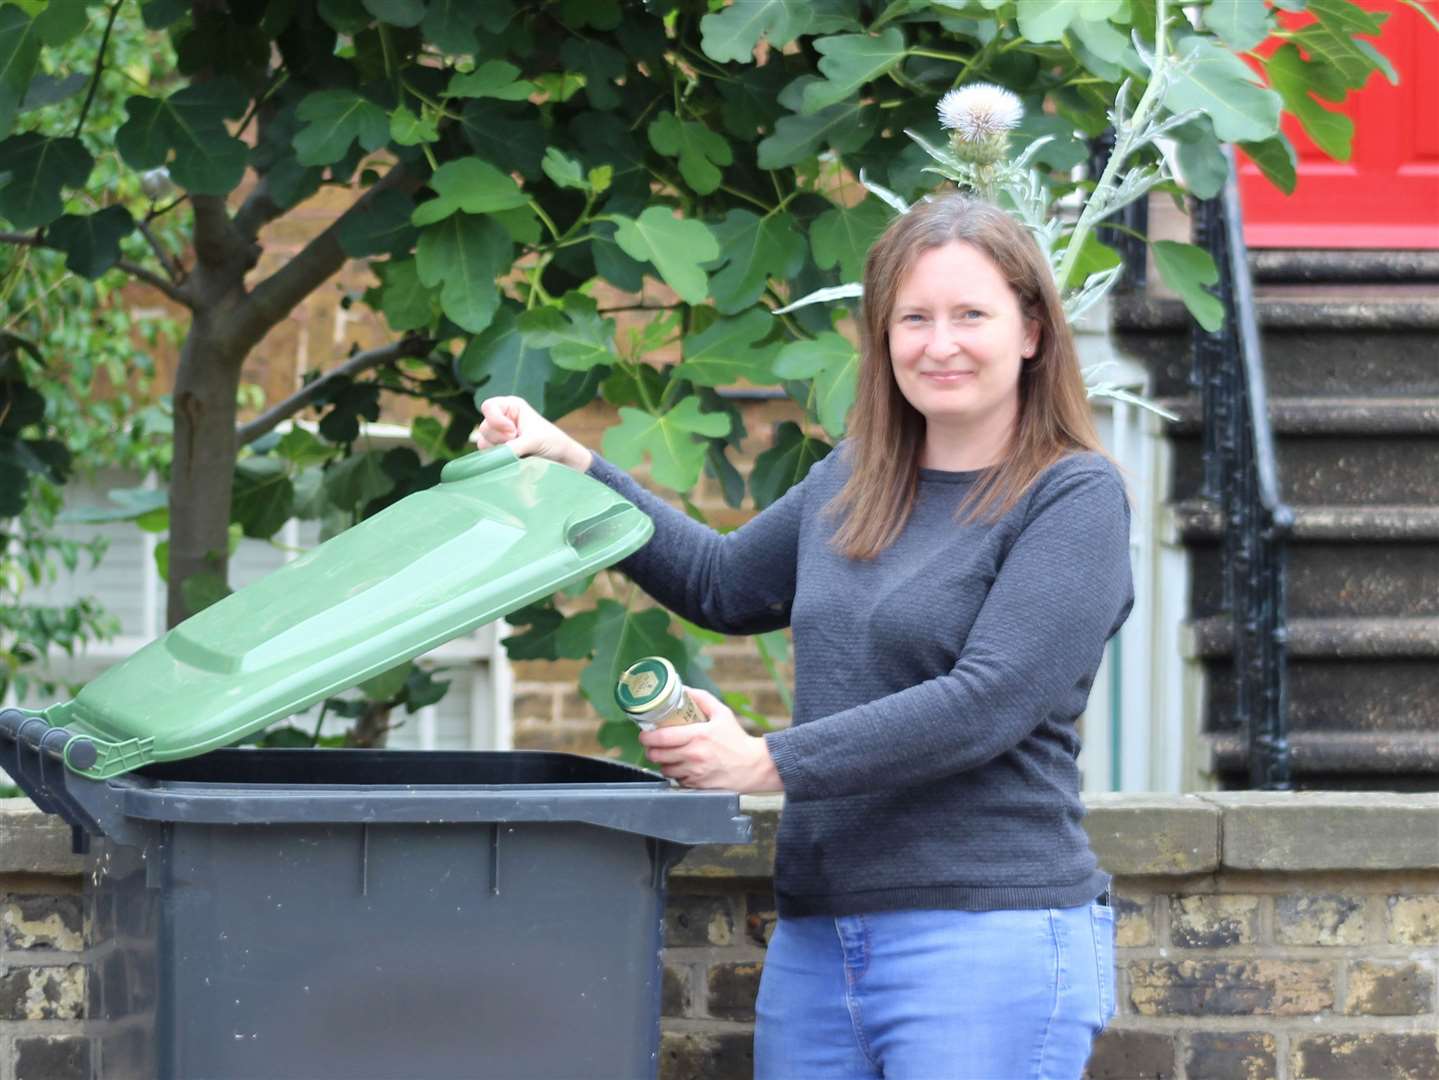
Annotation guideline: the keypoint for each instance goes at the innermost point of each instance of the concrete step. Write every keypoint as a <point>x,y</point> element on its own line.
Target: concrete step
<point>1196,522</point>
<point>1336,638</point>
<point>1339,760</point>
<point>1311,265</point>
<point>1349,577</point>
<point>1325,416</point>
<point>1331,341</point>
<point>1345,675</point>
<point>1328,694</point>
<point>1335,450</point>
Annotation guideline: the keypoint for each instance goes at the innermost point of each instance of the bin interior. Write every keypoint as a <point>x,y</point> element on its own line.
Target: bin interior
<point>404,768</point>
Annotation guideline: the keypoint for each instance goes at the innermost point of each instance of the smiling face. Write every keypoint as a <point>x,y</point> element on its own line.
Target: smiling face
<point>957,340</point>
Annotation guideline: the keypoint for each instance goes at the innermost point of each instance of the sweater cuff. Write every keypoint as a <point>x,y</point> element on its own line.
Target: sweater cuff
<point>787,762</point>
<point>603,471</point>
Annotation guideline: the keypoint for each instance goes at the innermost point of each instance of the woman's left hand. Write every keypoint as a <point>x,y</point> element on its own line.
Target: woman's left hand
<point>719,754</point>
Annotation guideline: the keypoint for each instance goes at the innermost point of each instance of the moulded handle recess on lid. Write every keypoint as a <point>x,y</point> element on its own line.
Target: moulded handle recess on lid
<point>597,530</point>
<point>477,464</point>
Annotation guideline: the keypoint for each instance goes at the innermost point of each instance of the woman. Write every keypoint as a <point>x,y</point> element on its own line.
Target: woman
<point>952,572</point>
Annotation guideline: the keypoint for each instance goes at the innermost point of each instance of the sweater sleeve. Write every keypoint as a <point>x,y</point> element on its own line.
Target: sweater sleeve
<point>1061,592</point>
<point>735,583</point>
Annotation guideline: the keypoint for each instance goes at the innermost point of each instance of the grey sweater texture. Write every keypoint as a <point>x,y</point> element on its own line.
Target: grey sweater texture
<point>931,762</point>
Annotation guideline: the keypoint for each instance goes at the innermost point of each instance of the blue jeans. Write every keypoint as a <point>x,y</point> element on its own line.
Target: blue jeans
<point>935,995</point>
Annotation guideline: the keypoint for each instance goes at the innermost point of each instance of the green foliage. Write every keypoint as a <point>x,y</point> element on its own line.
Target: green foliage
<point>86,401</point>
<point>1187,269</point>
<point>699,156</point>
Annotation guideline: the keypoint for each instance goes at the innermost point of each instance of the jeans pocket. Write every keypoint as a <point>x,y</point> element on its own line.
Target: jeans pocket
<point>1101,917</point>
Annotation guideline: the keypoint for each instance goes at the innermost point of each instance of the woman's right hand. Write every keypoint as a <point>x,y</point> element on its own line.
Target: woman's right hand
<point>513,422</point>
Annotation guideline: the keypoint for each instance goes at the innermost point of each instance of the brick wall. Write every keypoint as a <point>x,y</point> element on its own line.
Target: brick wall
<point>1259,936</point>
<point>1285,936</point>
<point>42,982</point>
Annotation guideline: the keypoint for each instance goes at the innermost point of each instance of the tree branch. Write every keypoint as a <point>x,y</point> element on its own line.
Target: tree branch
<point>413,346</point>
<point>149,277</point>
<point>170,263</point>
<point>257,211</point>
<point>272,299</point>
<point>214,231</point>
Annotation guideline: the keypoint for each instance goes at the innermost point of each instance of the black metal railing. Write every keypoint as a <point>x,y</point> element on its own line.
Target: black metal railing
<point>1241,477</point>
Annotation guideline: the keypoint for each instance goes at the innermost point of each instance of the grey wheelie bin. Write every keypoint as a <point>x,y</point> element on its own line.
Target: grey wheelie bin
<point>366,915</point>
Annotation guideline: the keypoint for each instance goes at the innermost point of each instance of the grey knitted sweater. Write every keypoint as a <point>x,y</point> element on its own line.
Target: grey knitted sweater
<point>931,762</point>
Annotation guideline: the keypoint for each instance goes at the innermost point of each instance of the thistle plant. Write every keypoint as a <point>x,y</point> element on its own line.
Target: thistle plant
<point>980,117</point>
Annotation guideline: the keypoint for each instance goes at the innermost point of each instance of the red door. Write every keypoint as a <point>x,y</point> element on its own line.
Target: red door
<point>1387,194</point>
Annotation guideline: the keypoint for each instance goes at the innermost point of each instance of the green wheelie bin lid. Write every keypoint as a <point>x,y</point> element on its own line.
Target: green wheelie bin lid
<point>495,534</point>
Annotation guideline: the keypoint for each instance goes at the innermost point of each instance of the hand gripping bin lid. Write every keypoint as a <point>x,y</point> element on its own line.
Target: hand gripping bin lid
<point>366,914</point>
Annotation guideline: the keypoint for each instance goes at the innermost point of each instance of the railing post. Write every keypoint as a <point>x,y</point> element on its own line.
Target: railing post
<point>1241,476</point>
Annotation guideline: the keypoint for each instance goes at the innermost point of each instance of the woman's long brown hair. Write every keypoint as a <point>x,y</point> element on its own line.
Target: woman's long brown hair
<point>886,433</point>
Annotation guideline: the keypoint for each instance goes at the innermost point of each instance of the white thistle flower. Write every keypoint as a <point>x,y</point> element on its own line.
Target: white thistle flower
<point>980,111</point>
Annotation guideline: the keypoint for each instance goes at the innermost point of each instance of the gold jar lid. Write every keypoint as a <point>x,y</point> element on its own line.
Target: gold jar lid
<point>646,685</point>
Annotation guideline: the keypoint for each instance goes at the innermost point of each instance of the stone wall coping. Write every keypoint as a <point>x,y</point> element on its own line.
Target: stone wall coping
<point>1329,830</point>
<point>34,842</point>
<point>1133,834</point>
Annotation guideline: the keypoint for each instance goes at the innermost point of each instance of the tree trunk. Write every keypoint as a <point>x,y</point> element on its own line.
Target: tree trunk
<point>372,728</point>
<point>202,474</point>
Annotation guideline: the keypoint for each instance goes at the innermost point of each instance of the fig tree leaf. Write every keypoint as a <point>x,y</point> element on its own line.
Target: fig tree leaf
<point>1331,40</point>
<point>382,228</point>
<point>785,463</point>
<point>409,129</point>
<point>600,64</point>
<point>728,351</point>
<point>832,363</point>
<point>465,255</point>
<point>450,24</point>
<point>700,151</point>
<point>668,440</point>
<point>733,33</point>
<point>60,21</point>
<point>1186,269</point>
<point>756,249</point>
<point>405,302</point>
<point>563,169</point>
<point>1295,80</point>
<point>397,12</point>
<point>354,482</point>
<point>300,447</point>
<point>503,360</point>
<point>848,61</point>
<point>842,236</point>
<point>492,79</point>
<point>91,242</point>
<point>186,132</point>
<point>262,496</point>
<point>1276,160</point>
<point>1046,20</point>
<point>334,120</point>
<point>846,126</point>
<point>39,168</point>
<point>471,185</point>
<point>578,337</point>
<point>20,41</point>
<point>674,246</point>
